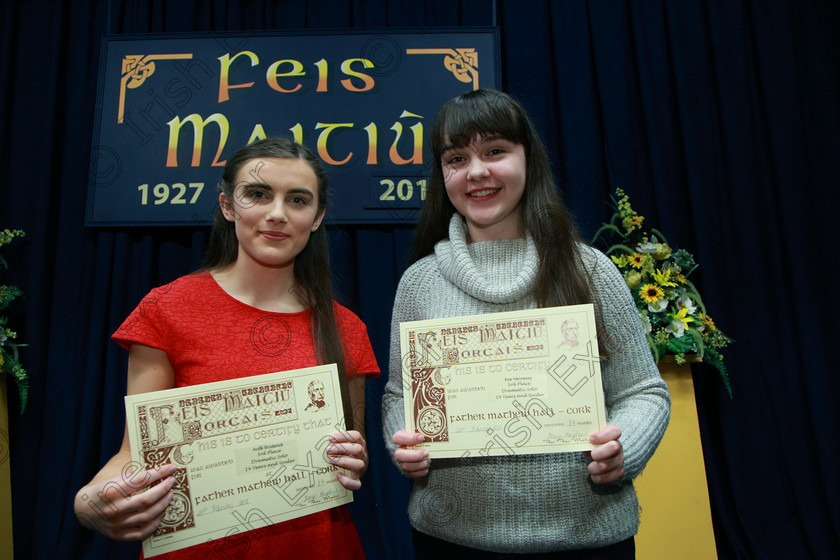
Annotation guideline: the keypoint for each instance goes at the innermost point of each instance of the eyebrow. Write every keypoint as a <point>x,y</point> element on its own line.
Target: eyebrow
<point>253,185</point>
<point>266,187</point>
<point>300,190</point>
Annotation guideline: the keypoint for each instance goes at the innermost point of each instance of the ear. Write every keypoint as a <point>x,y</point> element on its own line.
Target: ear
<point>226,208</point>
<point>319,219</point>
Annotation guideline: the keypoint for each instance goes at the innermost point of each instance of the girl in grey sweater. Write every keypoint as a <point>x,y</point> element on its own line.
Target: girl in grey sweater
<point>494,236</point>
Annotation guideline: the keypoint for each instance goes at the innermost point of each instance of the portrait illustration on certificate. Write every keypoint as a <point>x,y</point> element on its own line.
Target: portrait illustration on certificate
<point>508,383</point>
<point>249,452</point>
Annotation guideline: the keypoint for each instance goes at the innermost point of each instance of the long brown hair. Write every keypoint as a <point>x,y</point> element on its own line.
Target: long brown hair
<point>313,282</point>
<point>561,278</point>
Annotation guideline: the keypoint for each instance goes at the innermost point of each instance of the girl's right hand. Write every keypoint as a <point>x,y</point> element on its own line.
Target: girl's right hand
<point>118,509</point>
<point>414,462</point>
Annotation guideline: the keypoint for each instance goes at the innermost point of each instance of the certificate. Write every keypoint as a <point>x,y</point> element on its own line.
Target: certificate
<point>506,383</point>
<point>250,452</point>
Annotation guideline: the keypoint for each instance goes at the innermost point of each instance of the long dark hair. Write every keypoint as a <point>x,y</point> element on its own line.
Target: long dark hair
<point>313,283</point>
<point>561,278</point>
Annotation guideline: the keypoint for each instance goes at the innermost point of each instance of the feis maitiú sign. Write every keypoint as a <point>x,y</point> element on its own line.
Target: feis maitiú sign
<point>172,108</point>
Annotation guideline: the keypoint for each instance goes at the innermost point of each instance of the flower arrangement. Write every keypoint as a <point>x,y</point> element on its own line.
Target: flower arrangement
<point>669,305</point>
<point>8,347</point>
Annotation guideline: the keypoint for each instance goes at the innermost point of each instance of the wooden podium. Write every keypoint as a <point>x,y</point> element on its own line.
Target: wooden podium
<point>676,520</point>
<point>5,475</point>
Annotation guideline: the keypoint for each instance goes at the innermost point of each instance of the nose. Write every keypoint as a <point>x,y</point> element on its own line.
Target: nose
<point>476,169</point>
<point>277,211</point>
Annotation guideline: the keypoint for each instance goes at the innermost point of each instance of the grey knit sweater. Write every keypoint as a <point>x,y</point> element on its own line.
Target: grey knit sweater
<point>528,503</point>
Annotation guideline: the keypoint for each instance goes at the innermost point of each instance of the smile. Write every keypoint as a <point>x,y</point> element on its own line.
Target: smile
<point>482,193</point>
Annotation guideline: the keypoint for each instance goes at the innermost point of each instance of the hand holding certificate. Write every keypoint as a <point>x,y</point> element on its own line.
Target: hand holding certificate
<point>504,383</point>
<point>249,452</point>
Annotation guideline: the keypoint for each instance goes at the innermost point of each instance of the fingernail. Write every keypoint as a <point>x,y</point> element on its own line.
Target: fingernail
<point>333,459</point>
<point>419,437</point>
<point>331,449</point>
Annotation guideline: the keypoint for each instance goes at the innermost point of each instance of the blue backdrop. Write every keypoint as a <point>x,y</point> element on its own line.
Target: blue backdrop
<point>719,118</point>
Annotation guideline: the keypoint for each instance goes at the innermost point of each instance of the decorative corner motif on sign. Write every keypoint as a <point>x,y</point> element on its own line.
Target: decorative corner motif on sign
<point>463,63</point>
<point>135,69</point>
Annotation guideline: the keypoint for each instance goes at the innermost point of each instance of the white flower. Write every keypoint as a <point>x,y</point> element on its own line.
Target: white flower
<point>658,306</point>
<point>685,303</point>
<point>676,328</point>
<point>646,323</point>
<point>650,246</point>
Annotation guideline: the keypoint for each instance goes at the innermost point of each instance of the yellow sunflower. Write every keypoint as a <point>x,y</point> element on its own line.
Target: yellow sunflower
<point>651,293</point>
<point>631,223</point>
<point>636,260</point>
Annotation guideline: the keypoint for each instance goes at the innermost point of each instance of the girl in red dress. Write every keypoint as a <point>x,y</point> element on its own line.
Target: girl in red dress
<point>262,303</point>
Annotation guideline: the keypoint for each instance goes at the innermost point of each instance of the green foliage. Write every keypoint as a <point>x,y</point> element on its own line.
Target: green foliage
<point>9,354</point>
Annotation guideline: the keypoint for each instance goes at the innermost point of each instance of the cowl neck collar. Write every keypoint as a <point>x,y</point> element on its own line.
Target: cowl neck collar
<point>499,271</point>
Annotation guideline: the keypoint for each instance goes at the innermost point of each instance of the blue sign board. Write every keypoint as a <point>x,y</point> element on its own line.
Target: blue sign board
<point>172,108</point>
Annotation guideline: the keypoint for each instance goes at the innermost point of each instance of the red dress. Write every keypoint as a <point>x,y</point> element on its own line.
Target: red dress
<point>210,336</point>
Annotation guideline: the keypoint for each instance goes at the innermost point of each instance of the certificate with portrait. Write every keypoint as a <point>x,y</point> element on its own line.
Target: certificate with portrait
<point>250,452</point>
<point>507,383</point>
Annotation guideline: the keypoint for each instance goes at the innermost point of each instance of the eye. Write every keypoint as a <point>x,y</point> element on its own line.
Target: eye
<point>298,200</point>
<point>454,160</point>
<point>255,194</point>
<point>495,151</point>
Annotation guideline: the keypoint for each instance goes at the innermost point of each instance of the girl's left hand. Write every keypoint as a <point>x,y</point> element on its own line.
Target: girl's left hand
<point>349,450</point>
<point>607,459</point>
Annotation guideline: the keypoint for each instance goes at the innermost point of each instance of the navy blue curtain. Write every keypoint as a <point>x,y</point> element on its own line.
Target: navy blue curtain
<point>719,118</point>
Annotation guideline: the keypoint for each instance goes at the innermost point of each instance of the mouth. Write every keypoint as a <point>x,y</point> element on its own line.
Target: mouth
<point>274,235</point>
<point>482,193</point>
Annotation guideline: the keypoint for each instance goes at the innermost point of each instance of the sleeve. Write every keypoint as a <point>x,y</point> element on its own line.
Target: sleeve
<point>636,396</point>
<point>358,352</point>
<point>393,408</point>
<point>146,324</point>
